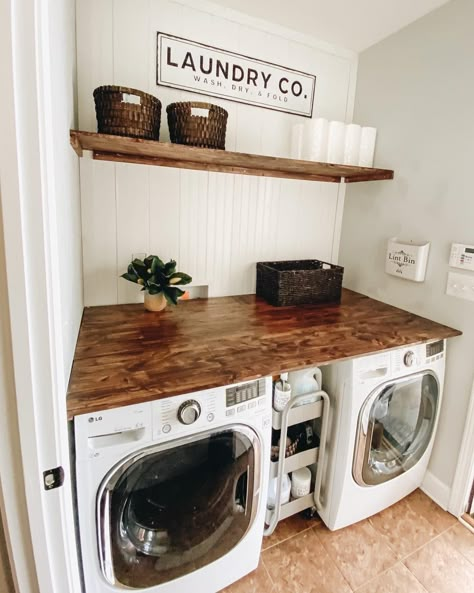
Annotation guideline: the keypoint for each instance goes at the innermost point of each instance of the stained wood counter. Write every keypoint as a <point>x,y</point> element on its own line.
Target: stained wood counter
<point>127,355</point>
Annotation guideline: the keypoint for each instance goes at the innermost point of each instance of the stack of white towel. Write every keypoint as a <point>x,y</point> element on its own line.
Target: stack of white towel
<point>333,142</point>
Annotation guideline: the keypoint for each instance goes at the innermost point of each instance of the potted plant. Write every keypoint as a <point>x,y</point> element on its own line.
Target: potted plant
<point>158,280</point>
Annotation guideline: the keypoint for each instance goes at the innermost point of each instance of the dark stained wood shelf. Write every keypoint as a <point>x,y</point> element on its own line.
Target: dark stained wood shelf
<point>149,152</point>
<point>126,355</point>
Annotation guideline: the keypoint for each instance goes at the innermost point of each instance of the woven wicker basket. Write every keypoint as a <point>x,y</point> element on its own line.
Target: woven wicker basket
<point>300,282</point>
<point>204,130</point>
<point>123,111</point>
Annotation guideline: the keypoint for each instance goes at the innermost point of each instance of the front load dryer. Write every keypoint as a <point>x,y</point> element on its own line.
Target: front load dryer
<point>384,413</point>
<point>171,494</point>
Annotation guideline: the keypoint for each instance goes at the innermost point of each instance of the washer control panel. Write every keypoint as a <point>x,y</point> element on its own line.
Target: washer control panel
<point>409,359</point>
<point>125,429</point>
<point>239,394</point>
<point>182,414</point>
<point>189,411</point>
<point>434,351</point>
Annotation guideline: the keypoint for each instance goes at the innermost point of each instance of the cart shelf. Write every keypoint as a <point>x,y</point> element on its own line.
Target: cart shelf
<point>296,461</point>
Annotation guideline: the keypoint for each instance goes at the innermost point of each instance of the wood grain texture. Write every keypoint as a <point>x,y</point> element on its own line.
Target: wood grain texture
<point>126,355</point>
<point>216,168</point>
<point>148,152</point>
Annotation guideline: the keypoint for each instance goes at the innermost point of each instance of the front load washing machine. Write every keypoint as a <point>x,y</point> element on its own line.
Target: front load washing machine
<point>171,494</point>
<point>384,414</point>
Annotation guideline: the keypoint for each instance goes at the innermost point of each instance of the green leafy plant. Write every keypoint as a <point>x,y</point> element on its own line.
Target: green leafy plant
<point>154,276</point>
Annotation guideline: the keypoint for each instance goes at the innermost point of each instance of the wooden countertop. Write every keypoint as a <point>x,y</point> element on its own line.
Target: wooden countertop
<point>127,355</point>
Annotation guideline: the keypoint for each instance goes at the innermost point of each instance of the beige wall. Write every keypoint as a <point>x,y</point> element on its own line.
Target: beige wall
<point>417,88</point>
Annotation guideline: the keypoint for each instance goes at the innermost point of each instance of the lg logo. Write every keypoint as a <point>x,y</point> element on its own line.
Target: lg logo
<point>95,418</point>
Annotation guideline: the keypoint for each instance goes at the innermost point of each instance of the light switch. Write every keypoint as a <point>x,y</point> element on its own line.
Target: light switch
<point>460,286</point>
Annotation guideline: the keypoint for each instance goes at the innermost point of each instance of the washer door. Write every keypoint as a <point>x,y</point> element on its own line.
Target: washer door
<point>174,508</point>
<point>395,427</point>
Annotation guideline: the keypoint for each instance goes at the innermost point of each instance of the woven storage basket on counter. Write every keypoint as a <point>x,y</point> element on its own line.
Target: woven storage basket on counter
<point>301,282</point>
<point>123,111</point>
<point>197,129</point>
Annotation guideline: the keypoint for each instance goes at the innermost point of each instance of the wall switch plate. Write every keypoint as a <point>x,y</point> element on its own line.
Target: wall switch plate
<point>460,286</point>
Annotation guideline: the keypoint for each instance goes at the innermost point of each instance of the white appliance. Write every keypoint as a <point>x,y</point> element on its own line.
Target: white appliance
<point>171,494</point>
<point>384,414</point>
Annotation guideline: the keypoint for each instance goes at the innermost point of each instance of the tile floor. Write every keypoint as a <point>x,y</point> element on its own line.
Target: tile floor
<point>411,547</point>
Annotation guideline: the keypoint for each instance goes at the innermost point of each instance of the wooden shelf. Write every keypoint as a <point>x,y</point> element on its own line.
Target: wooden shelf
<point>149,152</point>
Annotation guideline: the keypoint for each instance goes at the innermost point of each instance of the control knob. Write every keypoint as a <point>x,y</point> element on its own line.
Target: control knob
<point>189,411</point>
<point>409,358</point>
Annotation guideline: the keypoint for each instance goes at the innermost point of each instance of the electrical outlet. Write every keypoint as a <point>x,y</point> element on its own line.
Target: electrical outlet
<point>460,286</point>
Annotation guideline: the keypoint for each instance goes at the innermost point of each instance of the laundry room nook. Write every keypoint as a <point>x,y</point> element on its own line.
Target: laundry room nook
<point>238,270</point>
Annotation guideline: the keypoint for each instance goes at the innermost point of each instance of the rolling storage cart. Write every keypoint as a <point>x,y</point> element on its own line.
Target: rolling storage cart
<point>291,415</point>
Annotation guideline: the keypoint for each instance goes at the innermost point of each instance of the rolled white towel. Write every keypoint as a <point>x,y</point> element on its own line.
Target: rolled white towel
<point>352,144</point>
<point>367,146</point>
<point>315,140</point>
<point>337,132</point>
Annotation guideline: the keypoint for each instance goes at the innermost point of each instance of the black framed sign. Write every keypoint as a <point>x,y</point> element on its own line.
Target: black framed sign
<point>199,68</point>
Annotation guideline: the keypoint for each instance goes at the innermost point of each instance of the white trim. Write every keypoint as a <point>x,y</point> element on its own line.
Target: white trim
<point>63,542</point>
<point>14,503</point>
<point>436,490</point>
<point>464,476</point>
<point>12,499</point>
<point>257,23</point>
<point>29,247</point>
<point>466,524</point>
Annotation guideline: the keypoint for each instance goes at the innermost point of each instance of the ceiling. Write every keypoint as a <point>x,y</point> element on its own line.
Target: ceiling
<point>354,24</point>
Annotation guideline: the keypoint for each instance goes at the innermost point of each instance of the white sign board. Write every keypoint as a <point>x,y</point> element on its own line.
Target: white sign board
<point>199,68</point>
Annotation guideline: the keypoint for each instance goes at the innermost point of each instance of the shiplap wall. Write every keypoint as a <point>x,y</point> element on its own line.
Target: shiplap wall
<point>215,225</point>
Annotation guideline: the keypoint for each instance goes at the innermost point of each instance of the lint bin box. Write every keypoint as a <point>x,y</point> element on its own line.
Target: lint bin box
<point>407,259</point>
<point>299,282</point>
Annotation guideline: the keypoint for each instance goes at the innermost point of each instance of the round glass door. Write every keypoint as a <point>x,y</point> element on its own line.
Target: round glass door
<point>396,424</point>
<point>175,508</point>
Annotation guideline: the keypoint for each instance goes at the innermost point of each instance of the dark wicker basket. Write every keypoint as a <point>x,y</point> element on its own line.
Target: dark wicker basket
<point>197,130</point>
<point>123,111</point>
<point>300,282</point>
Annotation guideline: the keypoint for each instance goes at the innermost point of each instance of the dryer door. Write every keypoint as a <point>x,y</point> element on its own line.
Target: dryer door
<point>173,508</point>
<point>395,427</point>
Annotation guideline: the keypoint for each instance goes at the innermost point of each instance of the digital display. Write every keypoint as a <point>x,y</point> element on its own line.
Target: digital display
<point>243,393</point>
<point>434,348</point>
<point>469,250</point>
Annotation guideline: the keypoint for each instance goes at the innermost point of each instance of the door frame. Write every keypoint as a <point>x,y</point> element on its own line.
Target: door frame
<point>464,475</point>
<point>27,201</point>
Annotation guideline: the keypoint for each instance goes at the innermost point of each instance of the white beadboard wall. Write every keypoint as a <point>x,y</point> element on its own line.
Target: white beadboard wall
<point>215,225</point>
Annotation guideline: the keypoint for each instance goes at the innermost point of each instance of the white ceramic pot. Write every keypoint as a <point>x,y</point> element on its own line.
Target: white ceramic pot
<point>155,302</point>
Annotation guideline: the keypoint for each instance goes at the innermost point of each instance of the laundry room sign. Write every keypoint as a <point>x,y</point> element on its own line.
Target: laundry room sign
<point>192,66</point>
